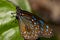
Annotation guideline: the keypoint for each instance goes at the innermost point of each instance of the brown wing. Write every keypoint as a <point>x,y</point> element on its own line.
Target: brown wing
<point>47,32</point>
<point>29,27</point>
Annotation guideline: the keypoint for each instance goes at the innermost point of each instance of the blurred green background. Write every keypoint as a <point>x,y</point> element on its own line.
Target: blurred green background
<point>9,29</point>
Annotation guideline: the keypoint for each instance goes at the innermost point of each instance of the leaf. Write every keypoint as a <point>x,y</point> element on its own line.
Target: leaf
<point>9,30</point>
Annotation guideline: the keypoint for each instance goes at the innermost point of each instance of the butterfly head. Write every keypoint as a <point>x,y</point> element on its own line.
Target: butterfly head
<point>18,11</point>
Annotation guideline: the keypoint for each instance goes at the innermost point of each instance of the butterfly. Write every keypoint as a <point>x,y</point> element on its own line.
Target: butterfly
<point>32,26</point>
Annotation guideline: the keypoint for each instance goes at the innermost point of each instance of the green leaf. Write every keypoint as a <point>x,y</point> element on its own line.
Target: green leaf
<point>9,29</point>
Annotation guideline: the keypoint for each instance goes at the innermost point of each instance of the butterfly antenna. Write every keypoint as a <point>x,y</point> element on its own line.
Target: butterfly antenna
<point>18,9</point>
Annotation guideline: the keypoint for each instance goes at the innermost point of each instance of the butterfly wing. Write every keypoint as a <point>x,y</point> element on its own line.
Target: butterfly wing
<point>32,27</point>
<point>29,27</point>
<point>46,31</point>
